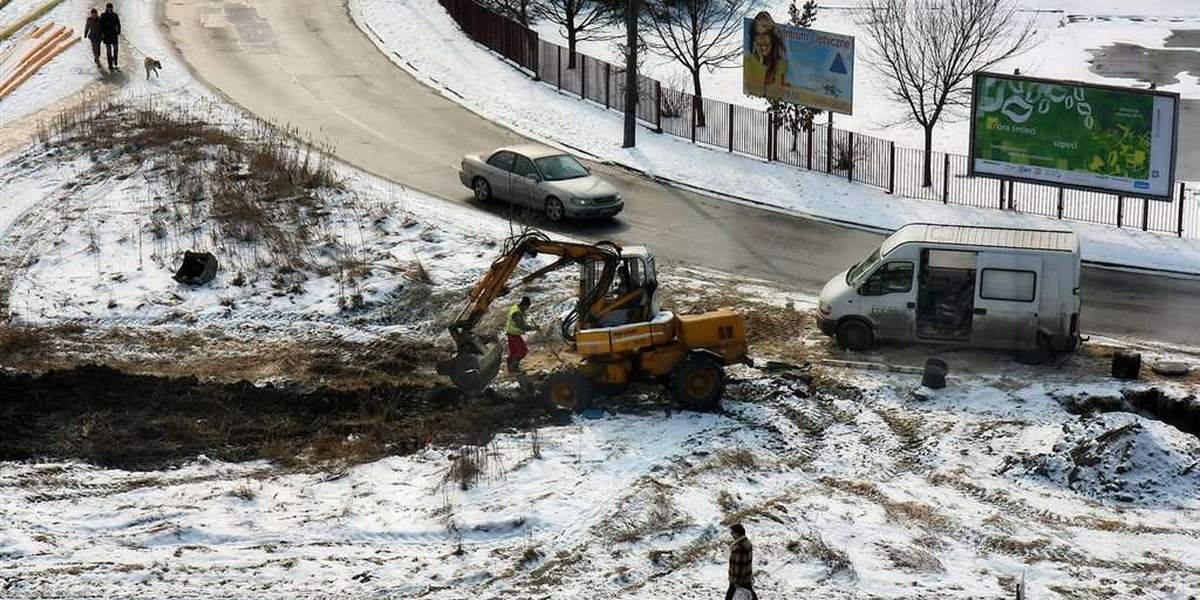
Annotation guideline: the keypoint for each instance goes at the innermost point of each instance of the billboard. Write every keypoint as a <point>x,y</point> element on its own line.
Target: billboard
<point>1076,135</point>
<point>798,65</point>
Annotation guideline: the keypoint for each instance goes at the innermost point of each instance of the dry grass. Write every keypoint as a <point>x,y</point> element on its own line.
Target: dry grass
<point>245,190</point>
<point>20,340</point>
<point>649,511</point>
<point>811,545</point>
<point>912,559</point>
<point>902,511</point>
<point>772,509</point>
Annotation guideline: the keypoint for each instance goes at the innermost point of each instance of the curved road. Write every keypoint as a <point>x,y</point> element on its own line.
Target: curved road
<point>305,63</point>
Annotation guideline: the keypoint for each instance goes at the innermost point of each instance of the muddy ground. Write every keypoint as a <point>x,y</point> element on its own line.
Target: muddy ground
<point>109,418</point>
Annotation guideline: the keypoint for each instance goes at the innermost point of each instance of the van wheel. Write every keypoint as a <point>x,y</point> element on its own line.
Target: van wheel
<point>855,335</point>
<point>483,191</point>
<point>1040,355</point>
<point>699,384</point>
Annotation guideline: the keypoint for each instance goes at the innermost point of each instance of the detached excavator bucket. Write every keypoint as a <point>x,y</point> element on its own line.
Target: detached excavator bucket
<point>473,367</point>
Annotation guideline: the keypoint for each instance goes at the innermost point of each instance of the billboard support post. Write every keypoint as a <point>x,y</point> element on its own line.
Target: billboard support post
<point>1120,210</point>
<point>731,128</point>
<point>946,179</point>
<point>828,149</point>
<point>695,105</point>
<point>1145,212</point>
<point>657,106</point>
<point>607,85</point>
<point>1062,192</point>
<point>850,166</point>
<point>1179,231</point>
<point>558,66</point>
<point>810,145</point>
<point>891,167</point>
<point>1001,194</point>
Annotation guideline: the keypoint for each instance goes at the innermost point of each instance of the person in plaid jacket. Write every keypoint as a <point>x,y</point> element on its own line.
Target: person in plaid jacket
<point>741,562</point>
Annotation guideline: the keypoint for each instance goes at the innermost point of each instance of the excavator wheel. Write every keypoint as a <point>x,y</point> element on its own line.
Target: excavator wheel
<point>569,389</point>
<point>699,383</point>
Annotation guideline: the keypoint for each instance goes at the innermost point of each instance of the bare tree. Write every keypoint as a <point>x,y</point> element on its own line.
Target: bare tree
<point>517,10</point>
<point>927,51</point>
<point>794,117</point>
<point>578,20</point>
<point>698,34</point>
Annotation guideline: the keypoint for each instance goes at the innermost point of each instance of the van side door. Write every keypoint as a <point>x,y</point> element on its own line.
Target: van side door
<point>888,298</point>
<point>1007,300</point>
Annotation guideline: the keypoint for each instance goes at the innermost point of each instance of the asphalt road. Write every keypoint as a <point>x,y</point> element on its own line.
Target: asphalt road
<point>305,63</point>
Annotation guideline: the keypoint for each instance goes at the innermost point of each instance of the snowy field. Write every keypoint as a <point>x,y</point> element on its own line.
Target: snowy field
<point>424,41</point>
<point>850,487</point>
<point>1067,32</point>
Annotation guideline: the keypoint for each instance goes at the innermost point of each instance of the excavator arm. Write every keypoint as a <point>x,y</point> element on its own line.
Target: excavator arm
<point>476,361</point>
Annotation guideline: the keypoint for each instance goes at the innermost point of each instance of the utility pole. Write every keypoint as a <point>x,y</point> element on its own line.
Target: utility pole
<point>631,79</point>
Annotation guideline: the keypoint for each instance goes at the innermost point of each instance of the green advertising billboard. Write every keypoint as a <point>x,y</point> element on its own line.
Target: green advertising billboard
<point>1074,135</point>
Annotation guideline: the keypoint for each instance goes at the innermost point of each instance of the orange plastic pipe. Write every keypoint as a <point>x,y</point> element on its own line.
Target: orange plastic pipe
<point>55,51</point>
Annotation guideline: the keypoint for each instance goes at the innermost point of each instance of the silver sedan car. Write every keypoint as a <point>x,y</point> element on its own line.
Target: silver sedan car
<point>540,178</point>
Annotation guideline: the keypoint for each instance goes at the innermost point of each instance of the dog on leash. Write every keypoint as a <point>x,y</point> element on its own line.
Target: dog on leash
<point>152,66</point>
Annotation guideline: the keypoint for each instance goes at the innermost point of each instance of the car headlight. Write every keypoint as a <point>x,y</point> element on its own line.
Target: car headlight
<point>580,201</point>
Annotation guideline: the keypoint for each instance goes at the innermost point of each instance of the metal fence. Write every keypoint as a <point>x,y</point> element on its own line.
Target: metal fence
<point>857,157</point>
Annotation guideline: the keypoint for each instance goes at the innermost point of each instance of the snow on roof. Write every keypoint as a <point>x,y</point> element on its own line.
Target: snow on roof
<point>994,237</point>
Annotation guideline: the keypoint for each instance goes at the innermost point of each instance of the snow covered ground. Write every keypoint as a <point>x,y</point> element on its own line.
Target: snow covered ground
<point>427,43</point>
<point>850,488</point>
<point>1067,31</point>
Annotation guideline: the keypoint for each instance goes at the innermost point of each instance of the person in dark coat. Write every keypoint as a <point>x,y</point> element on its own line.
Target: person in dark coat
<point>741,562</point>
<point>110,30</point>
<point>91,33</point>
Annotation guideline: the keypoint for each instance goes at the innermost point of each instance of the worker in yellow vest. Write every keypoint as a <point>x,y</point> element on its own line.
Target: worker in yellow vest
<point>515,327</point>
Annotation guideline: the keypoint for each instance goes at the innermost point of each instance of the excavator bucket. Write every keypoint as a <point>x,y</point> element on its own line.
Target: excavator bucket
<point>473,366</point>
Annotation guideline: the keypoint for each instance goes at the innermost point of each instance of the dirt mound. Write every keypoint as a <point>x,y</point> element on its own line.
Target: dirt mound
<point>115,419</point>
<point>1123,457</point>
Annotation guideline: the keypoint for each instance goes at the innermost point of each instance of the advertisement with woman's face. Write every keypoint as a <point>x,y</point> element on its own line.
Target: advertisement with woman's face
<point>798,65</point>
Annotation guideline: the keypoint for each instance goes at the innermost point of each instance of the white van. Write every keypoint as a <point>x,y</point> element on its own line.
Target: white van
<point>1012,289</point>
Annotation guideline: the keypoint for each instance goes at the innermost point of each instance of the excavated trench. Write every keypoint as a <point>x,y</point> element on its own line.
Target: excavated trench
<point>1182,413</point>
<point>114,419</point>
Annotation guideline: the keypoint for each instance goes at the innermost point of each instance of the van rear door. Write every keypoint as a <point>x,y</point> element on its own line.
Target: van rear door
<point>1007,298</point>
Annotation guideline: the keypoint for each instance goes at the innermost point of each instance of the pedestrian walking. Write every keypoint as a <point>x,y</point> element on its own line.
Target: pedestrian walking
<point>741,565</point>
<point>515,327</point>
<point>110,31</point>
<point>91,33</point>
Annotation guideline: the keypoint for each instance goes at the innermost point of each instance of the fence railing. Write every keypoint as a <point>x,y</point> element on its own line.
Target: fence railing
<point>857,157</point>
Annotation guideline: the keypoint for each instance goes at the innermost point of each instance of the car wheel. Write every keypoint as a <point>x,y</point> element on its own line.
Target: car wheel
<point>483,191</point>
<point>855,335</point>
<point>554,209</point>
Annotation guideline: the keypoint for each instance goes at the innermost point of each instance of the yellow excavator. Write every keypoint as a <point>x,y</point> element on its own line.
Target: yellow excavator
<point>616,328</point>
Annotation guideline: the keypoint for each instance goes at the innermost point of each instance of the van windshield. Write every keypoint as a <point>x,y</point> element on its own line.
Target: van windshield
<point>857,272</point>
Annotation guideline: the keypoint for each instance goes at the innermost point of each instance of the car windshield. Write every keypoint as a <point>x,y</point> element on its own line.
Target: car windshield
<point>557,168</point>
<point>857,272</point>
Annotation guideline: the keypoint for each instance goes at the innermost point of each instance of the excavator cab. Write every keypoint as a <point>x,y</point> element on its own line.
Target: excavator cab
<point>633,296</point>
